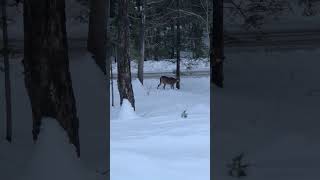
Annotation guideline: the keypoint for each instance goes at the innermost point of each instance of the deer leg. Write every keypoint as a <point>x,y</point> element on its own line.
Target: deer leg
<point>159,85</point>
<point>164,86</point>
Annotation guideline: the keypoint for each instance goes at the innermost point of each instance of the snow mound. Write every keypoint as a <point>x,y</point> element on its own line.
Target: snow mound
<point>126,111</point>
<point>137,86</point>
<point>54,157</point>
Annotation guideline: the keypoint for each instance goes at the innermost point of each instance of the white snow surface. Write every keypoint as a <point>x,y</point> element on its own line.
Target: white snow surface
<point>169,65</point>
<point>54,157</point>
<point>268,109</point>
<point>23,157</point>
<point>154,142</point>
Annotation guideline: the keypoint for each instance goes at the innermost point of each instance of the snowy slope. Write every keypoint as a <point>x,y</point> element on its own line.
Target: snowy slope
<point>269,109</point>
<point>155,142</point>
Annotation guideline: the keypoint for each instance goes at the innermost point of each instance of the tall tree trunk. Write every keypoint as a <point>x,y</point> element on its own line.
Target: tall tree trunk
<point>6,71</point>
<point>124,70</point>
<point>97,40</point>
<point>142,39</point>
<point>217,44</point>
<point>178,46</point>
<point>46,66</point>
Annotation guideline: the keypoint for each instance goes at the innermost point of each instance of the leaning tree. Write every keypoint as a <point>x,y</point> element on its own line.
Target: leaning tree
<point>124,70</point>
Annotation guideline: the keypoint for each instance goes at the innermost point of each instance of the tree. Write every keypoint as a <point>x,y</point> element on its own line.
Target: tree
<point>6,71</point>
<point>97,40</point>
<point>141,7</point>
<point>178,46</point>
<point>217,53</point>
<point>124,70</point>
<point>46,65</point>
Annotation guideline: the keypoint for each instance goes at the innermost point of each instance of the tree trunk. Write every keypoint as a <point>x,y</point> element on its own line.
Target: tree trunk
<point>217,54</point>
<point>97,32</point>
<point>142,40</point>
<point>6,71</point>
<point>111,79</point>
<point>178,47</point>
<point>124,70</point>
<point>46,66</point>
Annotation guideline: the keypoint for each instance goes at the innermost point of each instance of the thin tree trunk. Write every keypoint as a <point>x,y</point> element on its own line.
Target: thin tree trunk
<point>97,40</point>
<point>217,54</point>
<point>46,65</point>
<point>124,70</point>
<point>111,77</point>
<point>142,40</point>
<point>6,71</point>
<point>178,47</point>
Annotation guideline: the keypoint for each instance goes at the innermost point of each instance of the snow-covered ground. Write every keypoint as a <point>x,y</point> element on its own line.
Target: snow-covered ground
<point>155,142</point>
<point>169,65</point>
<point>269,109</point>
<point>17,160</point>
<point>54,157</point>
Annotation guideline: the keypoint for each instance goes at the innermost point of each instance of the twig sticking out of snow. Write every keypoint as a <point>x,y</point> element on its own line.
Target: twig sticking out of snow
<point>184,114</point>
<point>237,169</point>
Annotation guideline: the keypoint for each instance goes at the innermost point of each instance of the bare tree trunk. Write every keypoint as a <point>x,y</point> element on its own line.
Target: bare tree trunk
<point>178,46</point>
<point>6,71</point>
<point>111,78</point>
<point>46,66</point>
<point>97,32</point>
<point>217,55</point>
<point>124,70</point>
<point>142,40</point>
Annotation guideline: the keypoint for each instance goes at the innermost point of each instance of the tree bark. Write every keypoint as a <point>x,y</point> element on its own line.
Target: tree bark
<point>6,71</point>
<point>97,37</point>
<point>46,65</point>
<point>217,54</point>
<point>124,70</point>
<point>142,39</point>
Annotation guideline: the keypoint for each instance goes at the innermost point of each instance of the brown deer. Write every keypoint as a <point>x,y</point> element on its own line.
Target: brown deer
<point>167,80</point>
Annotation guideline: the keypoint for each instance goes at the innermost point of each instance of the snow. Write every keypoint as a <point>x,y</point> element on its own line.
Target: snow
<point>54,157</point>
<point>91,101</point>
<point>266,110</point>
<point>126,111</point>
<point>155,142</point>
<point>169,65</point>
